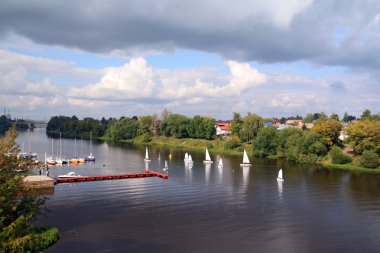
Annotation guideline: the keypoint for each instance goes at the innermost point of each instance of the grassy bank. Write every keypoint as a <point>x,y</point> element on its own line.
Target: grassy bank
<point>214,146</point>
<point>352,167</point>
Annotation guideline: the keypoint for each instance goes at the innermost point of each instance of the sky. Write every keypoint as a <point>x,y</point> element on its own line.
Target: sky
<point>129,58</point>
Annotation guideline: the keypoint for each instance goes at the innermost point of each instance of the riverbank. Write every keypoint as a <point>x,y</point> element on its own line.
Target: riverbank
<point>217,146</point>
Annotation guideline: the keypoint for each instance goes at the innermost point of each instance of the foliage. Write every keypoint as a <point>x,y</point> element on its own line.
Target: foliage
<point>334,116</point>
<point>309,118</point>
<point>369,159</point>
<point>232,143</point>
<point>236,124</point>
<point>328,131</point>
<point>73,127</point>
<point>337,157</point>
<point>175,125</point>
<point>366,114</point>
<point>250,127</point>
<point>123,129</point>
<point>18,204</point>
<point>266,142</point>
<point>348,118</point>
<point>202,128</point>
<point>364,135</point>
<point>5,124</point>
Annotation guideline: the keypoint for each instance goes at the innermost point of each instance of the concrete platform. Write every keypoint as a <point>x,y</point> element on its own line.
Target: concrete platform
<point>39,182</point>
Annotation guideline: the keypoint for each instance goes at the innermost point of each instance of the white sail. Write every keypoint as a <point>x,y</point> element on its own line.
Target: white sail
<point>190,158</point>
<point>186,157</point>
<point>166,164</point>
<point>245,158</point>
<point>208,158</point>
<point>279,177</point>
<point>146,154</point>
<point>220,162</point>
<point>246,162</point>
<point>159,156</point>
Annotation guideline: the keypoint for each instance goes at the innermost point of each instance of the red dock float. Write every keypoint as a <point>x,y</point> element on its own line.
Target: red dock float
<point>148,173</point>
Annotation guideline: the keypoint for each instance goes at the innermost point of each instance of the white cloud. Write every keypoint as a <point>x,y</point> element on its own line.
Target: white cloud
<point>139,80</point>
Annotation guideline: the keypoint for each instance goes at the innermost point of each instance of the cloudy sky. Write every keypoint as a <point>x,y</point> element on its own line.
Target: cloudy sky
<point>212,57</point>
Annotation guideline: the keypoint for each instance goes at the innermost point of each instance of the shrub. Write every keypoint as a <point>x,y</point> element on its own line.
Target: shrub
<point>228,145</point>
<point>369,159</point>
<point>209,145</point>
<point>147,137</point>
<point>337,157</point>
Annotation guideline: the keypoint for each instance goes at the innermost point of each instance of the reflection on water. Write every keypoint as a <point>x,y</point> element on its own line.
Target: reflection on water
<point>206,208</point>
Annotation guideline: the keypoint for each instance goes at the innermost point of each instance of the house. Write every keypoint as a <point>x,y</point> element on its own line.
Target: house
<point>223,128</point>
<point>298,123</point>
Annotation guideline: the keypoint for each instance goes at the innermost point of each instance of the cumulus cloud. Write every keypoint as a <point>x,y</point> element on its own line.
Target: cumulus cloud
<point>137,80</point>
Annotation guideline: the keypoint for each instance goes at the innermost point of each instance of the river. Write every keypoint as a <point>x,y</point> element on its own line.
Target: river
<point>206,209</point>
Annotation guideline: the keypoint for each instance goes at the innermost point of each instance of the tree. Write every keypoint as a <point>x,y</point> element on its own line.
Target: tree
<point>348,118</point>
<point>369,159</point>
<point>123,129</point>
<point>266,142</point>
<point>250,127</point>
<point>18,204</point>
<point>328,131</point>
<point>309,118</point>
<point>366,114</point>
<point>236,124</point>
<point>334,116</point>
<point>364,135</point>
<point>175,125</point>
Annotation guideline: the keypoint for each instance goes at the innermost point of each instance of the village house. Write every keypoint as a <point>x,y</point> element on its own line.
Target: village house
<point>223,128</point>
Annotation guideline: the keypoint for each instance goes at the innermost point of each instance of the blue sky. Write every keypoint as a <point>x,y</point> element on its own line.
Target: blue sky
<point>125,58</point>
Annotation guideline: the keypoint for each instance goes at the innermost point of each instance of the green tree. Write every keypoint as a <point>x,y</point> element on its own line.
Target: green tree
<point>18,204</point>
<point>369,159</point>
<point>123,129</point>
<point>334,116</point>
<point>236,124</point>
<point>250,127</point>
<point>366,114</point>
<point>175,126</point>
<point>309,118</point>
<point>266,142</point>
<point>145,125</point>
<point>337,157</point>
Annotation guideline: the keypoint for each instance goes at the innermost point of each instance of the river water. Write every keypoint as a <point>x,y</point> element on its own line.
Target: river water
<point>206,209</point>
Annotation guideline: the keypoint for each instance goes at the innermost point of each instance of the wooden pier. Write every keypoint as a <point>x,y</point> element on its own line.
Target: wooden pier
<point>77,179</point>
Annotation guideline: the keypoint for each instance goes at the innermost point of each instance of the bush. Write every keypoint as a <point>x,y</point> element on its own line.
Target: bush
<point>209,145</point>
<point>147,137</point>
<point>369,159</point>
<point>337,157</point>
<point>228,145</point>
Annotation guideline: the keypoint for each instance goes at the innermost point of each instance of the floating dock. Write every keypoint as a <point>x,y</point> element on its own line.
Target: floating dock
<point>77,179</point>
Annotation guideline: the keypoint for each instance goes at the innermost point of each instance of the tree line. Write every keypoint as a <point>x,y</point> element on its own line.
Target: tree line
<point>293,144</point>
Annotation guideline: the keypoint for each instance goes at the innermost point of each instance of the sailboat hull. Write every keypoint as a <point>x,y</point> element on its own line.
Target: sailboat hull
<point>207,162</point>
<point>245,165</point>
<point>280,179</point>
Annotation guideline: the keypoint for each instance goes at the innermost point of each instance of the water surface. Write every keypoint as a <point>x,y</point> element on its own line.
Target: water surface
<point>207,209</point>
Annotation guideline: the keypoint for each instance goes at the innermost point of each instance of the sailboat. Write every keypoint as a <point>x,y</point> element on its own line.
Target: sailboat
<point>166,167</point>
<point>279,177</point>
<point>186,157</point>
<point>220,163</point>
<point>146,155</point>
<point>50,160</point>
<point>159,156</point>
<point>208,158</point>
<point>74,160</point>
<point>91,157</point>
<point>245,160</point>
<point>190,160</point>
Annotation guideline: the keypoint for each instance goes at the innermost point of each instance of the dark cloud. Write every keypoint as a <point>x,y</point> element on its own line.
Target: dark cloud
<point>264,31</point>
